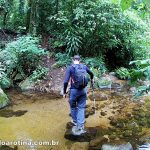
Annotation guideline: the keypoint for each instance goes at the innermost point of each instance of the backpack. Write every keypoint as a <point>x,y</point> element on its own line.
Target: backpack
<point>80,76</point>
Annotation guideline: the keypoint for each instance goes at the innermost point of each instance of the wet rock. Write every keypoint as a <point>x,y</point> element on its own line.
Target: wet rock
<point>116,86</point>
<point>87,114</point>
<point>136,117</point>
<point>10,113</point>
<point>113,121</point>
<point>112,129</point>
<point>27,85</point>
<point>103,113</point>
<point>113,112</point>
<point>112,136</point>
<point>89,111</point>
<point>148,123</point>
<point>143,122</point>
<point>132,89</point>
<point>129,115</point>
<point>5,147</point>
<point>87,105</point>
<point>136,109</point>
<point>126,146</point>
<point>120,125</point>
<point>80,146</point>
<point>115,94</point>
<point>127,133</point>
<point>110,118</point>
<point>141,114</point>
<point>4,101</point>
<point>86,137</point>
<point>30,94</point>
<point>92,112</point>
<point>99,97</point>
<point>119,111</point>
<point>69,125</point>
<point>113,74</point>
<point>102,105</point>
<point>97,143</point>
<point>145,146</point>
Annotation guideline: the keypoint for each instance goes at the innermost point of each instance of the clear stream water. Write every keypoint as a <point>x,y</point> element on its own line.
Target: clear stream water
<point>36,118</point>
<point>39,118</point>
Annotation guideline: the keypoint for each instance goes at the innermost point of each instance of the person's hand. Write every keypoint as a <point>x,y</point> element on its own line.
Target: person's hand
<point>92,82</point>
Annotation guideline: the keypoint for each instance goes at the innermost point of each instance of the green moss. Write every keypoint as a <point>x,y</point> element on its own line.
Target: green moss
<point>26,85</point>
<point>3,99</point>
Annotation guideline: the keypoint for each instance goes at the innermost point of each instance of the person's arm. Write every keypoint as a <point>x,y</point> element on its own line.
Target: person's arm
<point>91,75</point>
<point>67,77</point>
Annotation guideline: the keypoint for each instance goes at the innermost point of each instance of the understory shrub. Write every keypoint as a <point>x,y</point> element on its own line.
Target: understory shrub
<point>21,57</point>
<point>100,28</point>
<point>141,72</point>
<point>62,59</point>
<point>39,73</point>
<point>122,73</point>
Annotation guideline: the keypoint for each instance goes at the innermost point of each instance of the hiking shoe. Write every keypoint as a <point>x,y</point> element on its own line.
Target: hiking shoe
<point>78,131</point>
<point>74,123</point>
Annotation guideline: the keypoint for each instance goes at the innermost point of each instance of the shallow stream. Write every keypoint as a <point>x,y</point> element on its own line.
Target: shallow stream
<point>41,119</point>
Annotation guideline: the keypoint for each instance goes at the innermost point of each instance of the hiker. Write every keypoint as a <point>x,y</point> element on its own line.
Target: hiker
<point>77,73</point>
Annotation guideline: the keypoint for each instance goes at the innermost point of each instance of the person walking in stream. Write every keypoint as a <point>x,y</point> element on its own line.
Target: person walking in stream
<point>77,73</point>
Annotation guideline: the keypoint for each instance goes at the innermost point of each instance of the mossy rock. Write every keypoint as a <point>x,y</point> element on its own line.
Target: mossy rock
<point>143,122</point>
<point>27,85</point>
<point>141,114</point>
<point>147,115</point>
<point>4,101</point>
<point>127,133</point>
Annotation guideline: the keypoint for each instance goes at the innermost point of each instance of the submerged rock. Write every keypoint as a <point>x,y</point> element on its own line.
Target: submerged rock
<point>103,113</point>
<point>28,87</point>
<point>97,143</point>
<point>86,137</point>
<point>113,121</point>
<point>5,147</point>
<point>10,113</point>
<point>99,97</point>
<point>80,146</point>
<point>4,101</point>
<point>126,146</point>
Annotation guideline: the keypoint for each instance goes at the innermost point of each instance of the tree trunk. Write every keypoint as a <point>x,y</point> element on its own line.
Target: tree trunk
<point>32,16</point>
<point>5,19</point>
<point>28,21</point>
<point>21,7</point>
<point>57,6</point>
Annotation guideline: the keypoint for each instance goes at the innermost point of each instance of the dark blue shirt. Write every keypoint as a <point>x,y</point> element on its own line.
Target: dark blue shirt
<point>70,73</point>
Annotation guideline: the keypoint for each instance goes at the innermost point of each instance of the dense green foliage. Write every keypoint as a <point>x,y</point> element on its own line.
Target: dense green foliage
<point>61,60</point>
<point>142,70</point>
<point>123,73</point>
<point>106,33</point>
<point>20,58</point>
<point>111,28</point>
<point>99,28</point>
<point>39,73</point>
<point>96,64</point>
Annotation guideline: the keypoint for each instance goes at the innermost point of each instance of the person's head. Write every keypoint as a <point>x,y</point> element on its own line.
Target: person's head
<point>76,59</point>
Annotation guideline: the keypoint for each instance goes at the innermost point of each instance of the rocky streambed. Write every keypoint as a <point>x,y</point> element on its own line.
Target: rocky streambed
<point>117,122</point>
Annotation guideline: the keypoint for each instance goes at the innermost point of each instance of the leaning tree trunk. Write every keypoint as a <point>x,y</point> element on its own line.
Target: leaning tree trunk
<point>28,21</point>
<point>32,16</point>
<point>21,7</point>
<point>5,19</point>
